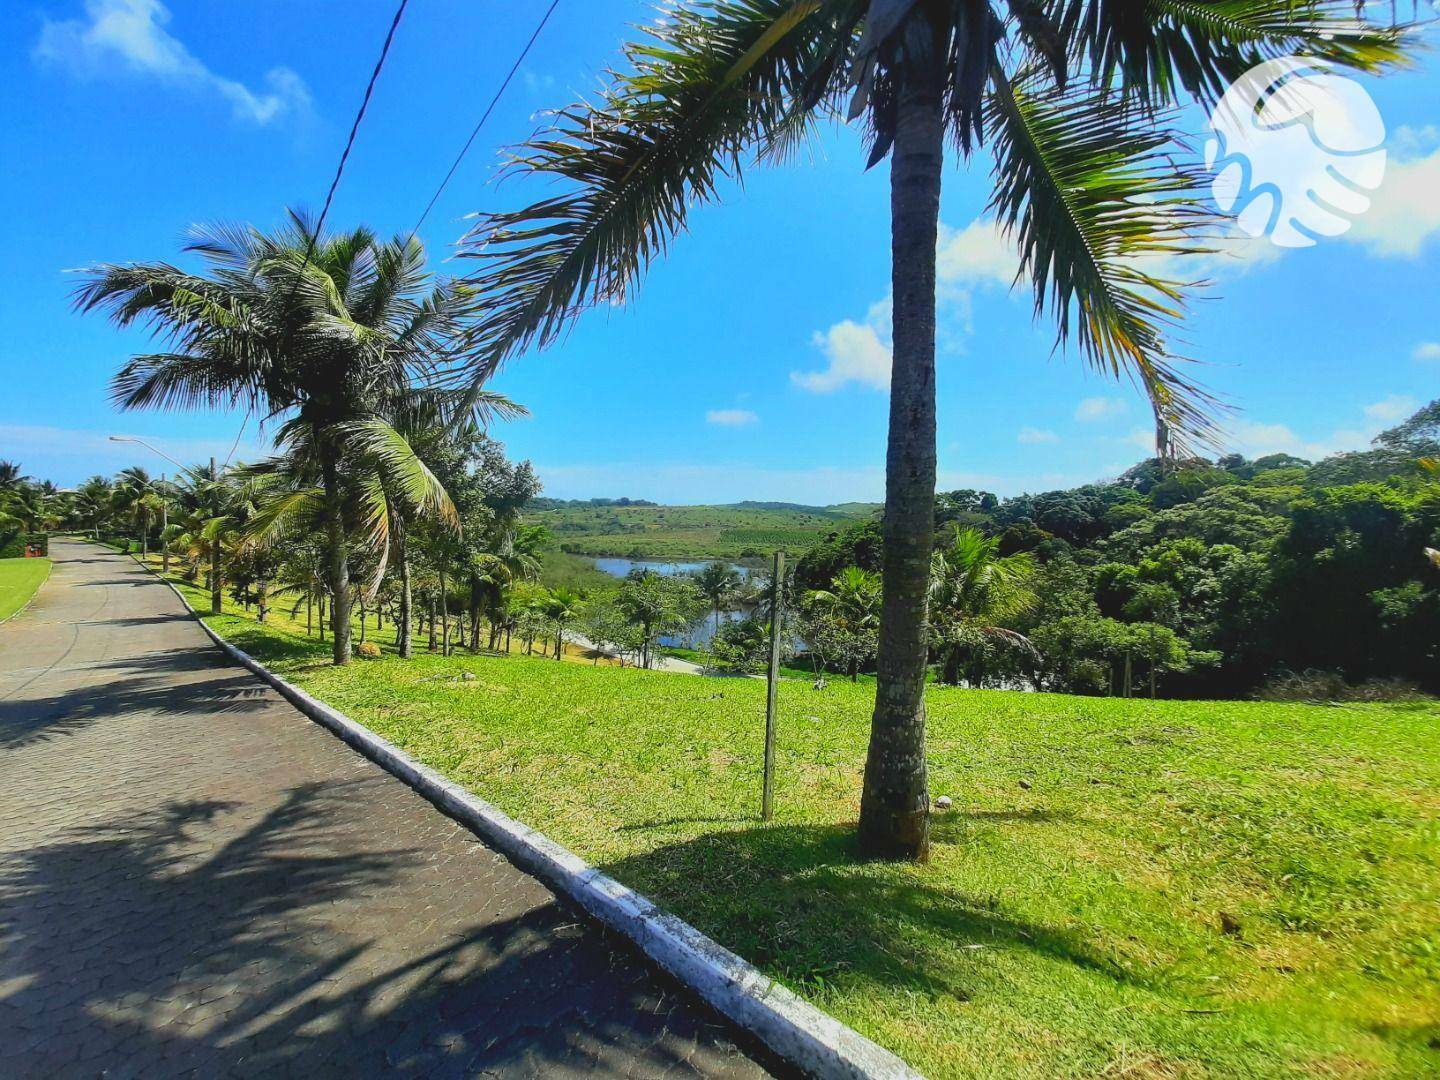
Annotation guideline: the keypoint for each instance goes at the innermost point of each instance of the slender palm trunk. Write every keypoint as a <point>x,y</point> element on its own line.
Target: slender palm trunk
<point>339,564</point>
<point>894,808</point>
<point>262,599</point>
<point>402,639</point>
<point>444,615</point>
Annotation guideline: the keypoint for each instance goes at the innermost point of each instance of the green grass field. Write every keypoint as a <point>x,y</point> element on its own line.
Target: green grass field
<point>696,532</point>
<point>19,578</point>
<point>1124,888</point>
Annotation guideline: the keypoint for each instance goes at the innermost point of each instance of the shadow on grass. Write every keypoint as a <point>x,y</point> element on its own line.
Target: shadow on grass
<point>798,901</point>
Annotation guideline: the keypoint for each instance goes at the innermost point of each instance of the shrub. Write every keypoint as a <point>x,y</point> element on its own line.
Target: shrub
<point>367,650</point>
<point>1329,687</point>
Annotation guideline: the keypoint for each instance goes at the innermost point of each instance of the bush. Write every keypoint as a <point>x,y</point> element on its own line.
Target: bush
<point>1329,687</point>
<point>367,650</point>
<point>14,543</point>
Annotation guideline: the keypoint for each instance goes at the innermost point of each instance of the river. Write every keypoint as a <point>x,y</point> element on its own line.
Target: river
<point>700,636</point>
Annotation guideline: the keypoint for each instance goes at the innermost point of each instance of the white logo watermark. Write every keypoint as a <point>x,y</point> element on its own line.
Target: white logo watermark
<point>1296,148</point>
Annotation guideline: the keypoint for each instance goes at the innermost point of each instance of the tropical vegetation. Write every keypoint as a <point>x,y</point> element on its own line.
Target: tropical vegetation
<point>1076,100</point>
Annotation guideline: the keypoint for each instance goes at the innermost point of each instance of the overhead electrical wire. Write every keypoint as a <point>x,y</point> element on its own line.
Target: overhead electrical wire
<point>495,100</point>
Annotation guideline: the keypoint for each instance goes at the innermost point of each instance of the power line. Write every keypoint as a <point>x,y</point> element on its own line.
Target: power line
<point>350,142</point>
<point>484,117</point>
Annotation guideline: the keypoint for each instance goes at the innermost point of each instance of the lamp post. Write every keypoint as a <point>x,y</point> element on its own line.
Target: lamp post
<point>164,506</point>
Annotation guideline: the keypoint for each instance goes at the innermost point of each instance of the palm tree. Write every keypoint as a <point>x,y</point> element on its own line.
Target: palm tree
<point>721,584</point>
<point>92,504</point>
<point>561,607</point>
<point>1073,96</point>
<point>853,605</point>
<point>973,590</point>
<point>134,496</point>
<point>320,330</point>
<point>10,476</point>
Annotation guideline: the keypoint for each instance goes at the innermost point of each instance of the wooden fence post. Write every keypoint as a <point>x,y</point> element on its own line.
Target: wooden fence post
<point>777,615</point>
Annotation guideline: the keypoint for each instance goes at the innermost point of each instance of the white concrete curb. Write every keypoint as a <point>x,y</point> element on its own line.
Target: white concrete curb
<point>794,1029</point>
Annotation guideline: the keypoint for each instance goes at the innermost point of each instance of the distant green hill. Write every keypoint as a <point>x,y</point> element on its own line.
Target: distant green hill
<point>746,530</point>
<point>840,510</point>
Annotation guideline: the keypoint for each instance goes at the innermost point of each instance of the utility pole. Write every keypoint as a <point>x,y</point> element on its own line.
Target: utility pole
<point>215,602</point>
<point>777,615</point>
<point>164,524</point>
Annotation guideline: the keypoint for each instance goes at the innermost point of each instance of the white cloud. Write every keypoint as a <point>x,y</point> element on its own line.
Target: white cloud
<point>1142,437</point>
<point>130,36</point>
<point>856,353</point>
<point>1094,409</point>
<point>1030,436</point>
<point>1393,408</point>
<point>1410,142</point>
<point>1427,350</point>
<point>1256,439</point>
<point>979,254</point>
<point>1405,212</point>
<point>731,417</point>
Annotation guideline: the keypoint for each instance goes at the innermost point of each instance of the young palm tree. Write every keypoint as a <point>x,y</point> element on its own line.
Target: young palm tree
<point>1071,95</point>
<point>319,330</point>
<point>721,585</point>
<point>93,503</point>
<point>562,607</point>
<point>973,589</point>
<point>853,604</point>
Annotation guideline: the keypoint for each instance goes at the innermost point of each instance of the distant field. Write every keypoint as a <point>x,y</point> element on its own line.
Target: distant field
<point>679,532</point>
<point>19,578</point>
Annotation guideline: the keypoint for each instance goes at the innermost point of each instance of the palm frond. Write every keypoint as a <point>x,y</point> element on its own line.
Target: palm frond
<point>1164,49</point>
<point>402,470</point>
<point>281,513</point>
<point>182,381</point>
<point>1090,189</point>
<point>709,83</point>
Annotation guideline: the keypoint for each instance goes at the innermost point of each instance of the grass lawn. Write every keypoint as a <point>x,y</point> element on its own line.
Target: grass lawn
<point>19,578</point>
<point>1124,888</point>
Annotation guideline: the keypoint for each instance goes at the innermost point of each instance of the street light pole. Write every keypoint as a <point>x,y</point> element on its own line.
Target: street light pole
<point>215,601</point>
<point>164,524</point>
<point>153,450</point>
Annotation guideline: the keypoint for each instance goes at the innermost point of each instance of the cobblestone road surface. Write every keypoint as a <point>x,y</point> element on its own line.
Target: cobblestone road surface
<point>197,880</point>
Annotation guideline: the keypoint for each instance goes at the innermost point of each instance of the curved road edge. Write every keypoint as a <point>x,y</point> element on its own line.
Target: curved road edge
<point>791,1027</point>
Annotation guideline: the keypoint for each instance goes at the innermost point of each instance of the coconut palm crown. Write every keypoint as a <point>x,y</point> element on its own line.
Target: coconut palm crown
<point>320,333</point>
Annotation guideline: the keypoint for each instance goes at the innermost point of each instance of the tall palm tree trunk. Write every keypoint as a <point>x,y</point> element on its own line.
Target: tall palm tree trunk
<point>894,808</point>
<point>402,640</point>
<point>339,565</point>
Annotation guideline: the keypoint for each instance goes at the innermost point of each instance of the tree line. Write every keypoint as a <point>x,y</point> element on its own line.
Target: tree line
<point>1206,578</point>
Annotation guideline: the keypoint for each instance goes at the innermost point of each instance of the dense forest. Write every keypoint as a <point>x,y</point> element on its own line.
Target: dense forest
<point>1220,577</point>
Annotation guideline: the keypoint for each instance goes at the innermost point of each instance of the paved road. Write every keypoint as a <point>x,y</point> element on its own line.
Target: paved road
<point>194,878</point>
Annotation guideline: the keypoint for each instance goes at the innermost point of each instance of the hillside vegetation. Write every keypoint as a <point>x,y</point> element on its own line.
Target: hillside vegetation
<point>741,531</point>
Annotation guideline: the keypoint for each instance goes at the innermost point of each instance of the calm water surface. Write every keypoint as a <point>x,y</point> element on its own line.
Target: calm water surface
<point>700,636</point>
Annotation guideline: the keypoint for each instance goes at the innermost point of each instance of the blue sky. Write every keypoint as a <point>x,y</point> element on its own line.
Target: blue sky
<point>750,363</point>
